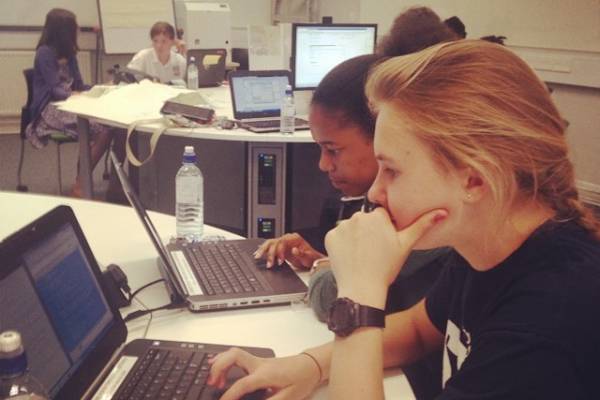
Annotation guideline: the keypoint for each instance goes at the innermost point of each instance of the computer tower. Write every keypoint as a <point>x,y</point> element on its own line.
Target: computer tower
<point>205,25</point>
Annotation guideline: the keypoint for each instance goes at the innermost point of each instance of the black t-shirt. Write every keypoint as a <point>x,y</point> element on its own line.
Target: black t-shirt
<point>527,329</point>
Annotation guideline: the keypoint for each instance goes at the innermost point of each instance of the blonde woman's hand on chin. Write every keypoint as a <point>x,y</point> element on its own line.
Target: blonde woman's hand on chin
<point>367,253</point>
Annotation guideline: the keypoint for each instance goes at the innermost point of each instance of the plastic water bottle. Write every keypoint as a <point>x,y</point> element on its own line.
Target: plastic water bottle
<point>192,74</point>
<point>288,112</point>
<point>189,198</point>
<point>16,382</point>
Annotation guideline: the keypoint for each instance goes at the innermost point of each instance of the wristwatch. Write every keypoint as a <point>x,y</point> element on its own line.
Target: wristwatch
<point>345,316</point>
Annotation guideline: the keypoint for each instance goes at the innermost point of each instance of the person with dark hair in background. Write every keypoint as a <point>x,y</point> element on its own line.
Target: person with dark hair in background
<point>161,60</point>
<point>494,39</point>
<point>343,126</point>
<point>457,26</point>
<point>56,76</point>
<point>413,30</point>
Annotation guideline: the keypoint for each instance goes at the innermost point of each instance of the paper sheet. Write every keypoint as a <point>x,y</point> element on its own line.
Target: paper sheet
<point>124,104</point>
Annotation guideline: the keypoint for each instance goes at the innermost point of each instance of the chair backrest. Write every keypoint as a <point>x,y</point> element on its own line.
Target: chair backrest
<point>28,74</point>
<point>25,110</point>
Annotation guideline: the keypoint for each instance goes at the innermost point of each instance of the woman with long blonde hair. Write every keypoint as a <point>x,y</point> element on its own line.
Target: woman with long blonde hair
<point>472,154</point>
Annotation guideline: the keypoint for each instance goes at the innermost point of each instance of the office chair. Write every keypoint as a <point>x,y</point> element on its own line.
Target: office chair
<point>58,137</point>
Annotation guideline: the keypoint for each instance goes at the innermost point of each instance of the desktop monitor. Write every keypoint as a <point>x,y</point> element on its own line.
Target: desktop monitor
<point>318,48</point>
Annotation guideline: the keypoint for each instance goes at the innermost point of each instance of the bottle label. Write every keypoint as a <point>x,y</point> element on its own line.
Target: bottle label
<point>188,192</point>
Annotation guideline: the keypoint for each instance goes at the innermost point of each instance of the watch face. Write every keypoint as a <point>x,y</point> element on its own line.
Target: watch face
<point>342,319</point>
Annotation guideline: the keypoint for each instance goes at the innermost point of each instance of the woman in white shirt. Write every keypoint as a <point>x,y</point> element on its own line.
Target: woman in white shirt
<point>161,60</point>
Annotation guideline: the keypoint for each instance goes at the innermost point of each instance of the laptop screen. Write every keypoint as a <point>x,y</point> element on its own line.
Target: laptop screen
<point>258,96</point>
<point>52,297</point>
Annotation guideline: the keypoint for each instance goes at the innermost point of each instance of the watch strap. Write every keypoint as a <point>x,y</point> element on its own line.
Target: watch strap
<point>370,316</point>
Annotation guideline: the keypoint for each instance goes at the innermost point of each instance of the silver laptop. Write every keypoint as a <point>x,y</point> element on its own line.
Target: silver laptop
<point>216,275</point>
<point>53,294</point>
<point>211,65</point>
<point>256,97</point>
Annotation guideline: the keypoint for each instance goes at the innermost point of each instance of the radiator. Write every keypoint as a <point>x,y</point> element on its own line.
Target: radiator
<point>13,92</point>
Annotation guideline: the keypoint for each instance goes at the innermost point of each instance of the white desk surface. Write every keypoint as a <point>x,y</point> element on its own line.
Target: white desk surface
<point>144,102</point>
<point>115,235</point>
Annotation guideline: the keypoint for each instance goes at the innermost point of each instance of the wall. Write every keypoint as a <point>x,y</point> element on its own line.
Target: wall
<point>560,39</point>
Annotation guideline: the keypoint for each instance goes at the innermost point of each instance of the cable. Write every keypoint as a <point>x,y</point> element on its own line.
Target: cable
<point>138,313</point>
<point>132,295</point>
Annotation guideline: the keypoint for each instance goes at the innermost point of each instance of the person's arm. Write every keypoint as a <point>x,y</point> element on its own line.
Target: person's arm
<point>180,47</point>
<point>46,64</point>
<point>408,336</point>
<point>366,254</point>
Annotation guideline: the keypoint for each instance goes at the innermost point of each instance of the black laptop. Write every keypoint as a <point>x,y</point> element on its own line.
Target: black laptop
<point>214,275</point>
<point>51,291</point>
<point>256,97</point>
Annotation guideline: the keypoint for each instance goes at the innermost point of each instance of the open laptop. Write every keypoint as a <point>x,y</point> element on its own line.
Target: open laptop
<point>52,293</point>
<point>211,65</point>
<point>256,97</point>
<point>215,275</point>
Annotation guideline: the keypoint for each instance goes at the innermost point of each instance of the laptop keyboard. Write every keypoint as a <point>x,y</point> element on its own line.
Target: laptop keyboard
<point>167,374</point>
<point>220,268</point>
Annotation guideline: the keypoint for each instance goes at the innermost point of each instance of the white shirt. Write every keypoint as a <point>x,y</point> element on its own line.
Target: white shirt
<point>147,61</point>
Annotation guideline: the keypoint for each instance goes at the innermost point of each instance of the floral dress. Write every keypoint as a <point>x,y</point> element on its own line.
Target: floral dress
<point>53,120</point>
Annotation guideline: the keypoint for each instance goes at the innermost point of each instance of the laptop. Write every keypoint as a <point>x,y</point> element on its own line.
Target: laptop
<point>216,275</point>
<point>52,293</point>
<point>211,65</point>
<point>256,97</point>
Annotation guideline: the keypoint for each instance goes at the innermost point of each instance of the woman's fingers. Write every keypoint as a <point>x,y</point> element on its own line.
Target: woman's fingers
<point>410,235</point>
<point>222,362</point>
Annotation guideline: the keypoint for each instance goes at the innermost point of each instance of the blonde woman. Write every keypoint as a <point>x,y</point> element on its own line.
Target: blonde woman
<point>472,155</point>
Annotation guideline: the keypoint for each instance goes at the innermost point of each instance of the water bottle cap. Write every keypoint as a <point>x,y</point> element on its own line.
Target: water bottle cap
<point>189,156</point>
<point>189,150</point>
<point>10,341</point>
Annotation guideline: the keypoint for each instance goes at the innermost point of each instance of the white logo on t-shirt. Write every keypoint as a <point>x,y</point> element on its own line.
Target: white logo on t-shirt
<point>457,348</point>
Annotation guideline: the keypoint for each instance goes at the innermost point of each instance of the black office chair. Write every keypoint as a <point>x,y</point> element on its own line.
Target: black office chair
<point>58,137</point>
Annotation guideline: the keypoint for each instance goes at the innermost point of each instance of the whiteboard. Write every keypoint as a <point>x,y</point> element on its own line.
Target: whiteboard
<point>33,12</point>
<point>126,23</point>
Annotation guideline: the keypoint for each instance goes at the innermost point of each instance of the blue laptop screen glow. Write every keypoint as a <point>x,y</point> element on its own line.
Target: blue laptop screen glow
<point>259,94</point>
<point>55,302</point>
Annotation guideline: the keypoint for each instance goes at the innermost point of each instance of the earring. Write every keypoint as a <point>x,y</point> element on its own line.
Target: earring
<point>469,196</point>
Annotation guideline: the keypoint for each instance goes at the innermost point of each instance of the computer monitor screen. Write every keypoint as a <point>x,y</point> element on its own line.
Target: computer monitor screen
<point>318,48</point>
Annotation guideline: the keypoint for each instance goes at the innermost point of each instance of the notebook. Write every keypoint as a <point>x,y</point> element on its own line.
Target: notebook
<point>256,97</point>
<point>51,291</point>
<point>211,65</point>
<point>215,275</point>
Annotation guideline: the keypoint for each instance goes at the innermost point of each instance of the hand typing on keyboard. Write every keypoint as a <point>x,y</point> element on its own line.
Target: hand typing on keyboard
<point>291,247</point>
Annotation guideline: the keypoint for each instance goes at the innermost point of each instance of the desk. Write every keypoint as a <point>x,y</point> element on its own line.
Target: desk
<point>273,146</point>
<point>286,329</point>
